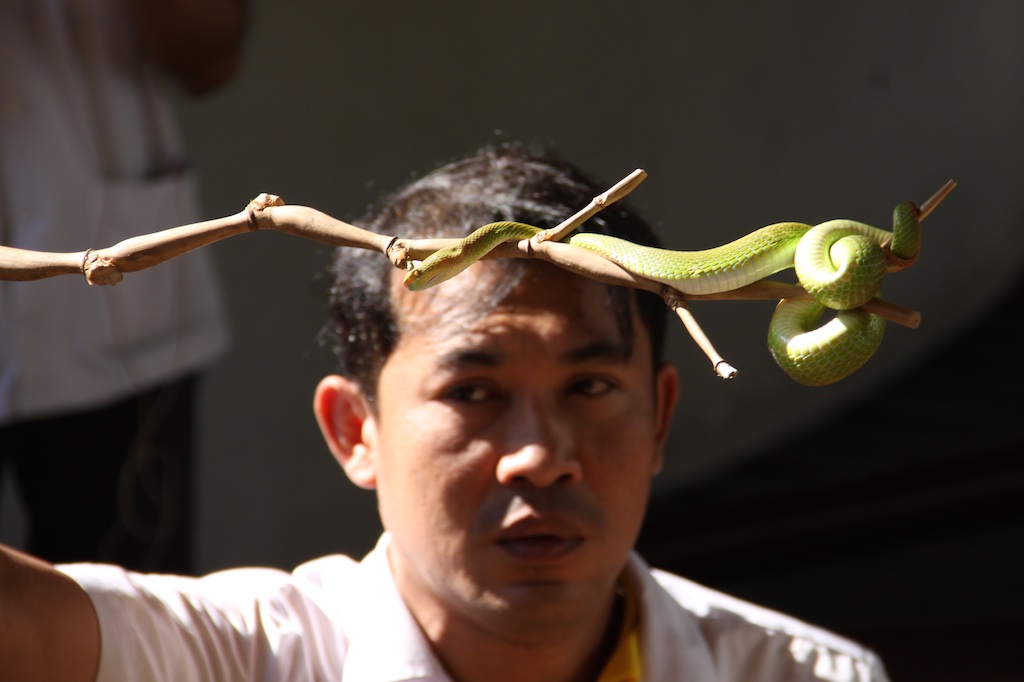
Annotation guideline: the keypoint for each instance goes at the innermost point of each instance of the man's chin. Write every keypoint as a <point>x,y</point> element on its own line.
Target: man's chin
<point>535,607</point>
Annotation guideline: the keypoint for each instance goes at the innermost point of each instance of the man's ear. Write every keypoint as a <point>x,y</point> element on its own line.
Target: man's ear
<point>349,428</point>
<point>666,396</point>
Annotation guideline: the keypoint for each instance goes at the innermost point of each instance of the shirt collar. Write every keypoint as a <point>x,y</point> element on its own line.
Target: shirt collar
<point>671,641</point>
<point>626,661</point>
<point>385,642</point>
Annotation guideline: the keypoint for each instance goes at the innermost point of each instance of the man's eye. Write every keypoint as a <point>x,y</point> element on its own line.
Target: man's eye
<point>470,393</point>
<point>591,386</point>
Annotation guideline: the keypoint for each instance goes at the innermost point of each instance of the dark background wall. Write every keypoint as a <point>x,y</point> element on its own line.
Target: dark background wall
<point>900,524</point>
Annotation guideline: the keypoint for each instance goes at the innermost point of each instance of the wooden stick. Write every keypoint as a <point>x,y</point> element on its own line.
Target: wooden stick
<point>22,265</point>
<point>931,202</point>
<point>108,265</point>
<point>616,192</point>
<point>267,211</point>
<point>677,303</point>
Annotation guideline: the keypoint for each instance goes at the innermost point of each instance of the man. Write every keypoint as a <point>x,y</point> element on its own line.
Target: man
<point>510,421</point>
<point>90,153</point>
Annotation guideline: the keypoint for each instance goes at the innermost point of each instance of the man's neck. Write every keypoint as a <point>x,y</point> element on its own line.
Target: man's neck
<point>567,652</point>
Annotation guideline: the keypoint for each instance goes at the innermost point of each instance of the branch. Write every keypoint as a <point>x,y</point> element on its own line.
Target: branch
<point>267,211</point>
<point>108,266</point>
<point>616,192</point>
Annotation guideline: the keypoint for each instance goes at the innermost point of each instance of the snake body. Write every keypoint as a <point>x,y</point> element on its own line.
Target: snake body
<point>841,263</point>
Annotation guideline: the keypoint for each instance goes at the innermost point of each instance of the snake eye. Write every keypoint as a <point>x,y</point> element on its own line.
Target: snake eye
<point>410,278</point>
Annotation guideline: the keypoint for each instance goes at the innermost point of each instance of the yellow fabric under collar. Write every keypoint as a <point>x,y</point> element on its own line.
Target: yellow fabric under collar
<point>626,663</point>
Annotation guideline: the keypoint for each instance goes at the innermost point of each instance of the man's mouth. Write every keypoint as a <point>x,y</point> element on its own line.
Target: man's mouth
<point>540,547</point>
<point>533,538</point>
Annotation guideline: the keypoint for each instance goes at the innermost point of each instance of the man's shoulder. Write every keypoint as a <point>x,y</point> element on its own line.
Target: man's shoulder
<point>713,606</point>
<point>736,635</point>
<point>327,569</point>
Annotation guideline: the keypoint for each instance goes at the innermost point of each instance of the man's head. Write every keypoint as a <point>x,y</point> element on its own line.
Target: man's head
<point>510,182</point>
<point>510,419</point>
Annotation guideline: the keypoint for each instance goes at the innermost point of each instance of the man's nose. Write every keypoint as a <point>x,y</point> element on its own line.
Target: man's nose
<point>539,447</point>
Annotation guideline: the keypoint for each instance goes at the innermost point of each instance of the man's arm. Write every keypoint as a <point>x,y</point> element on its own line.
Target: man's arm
<point>199,42</point>
<point>48,627</point>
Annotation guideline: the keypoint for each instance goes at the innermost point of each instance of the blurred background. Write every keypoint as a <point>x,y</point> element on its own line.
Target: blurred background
<point>886,507</point>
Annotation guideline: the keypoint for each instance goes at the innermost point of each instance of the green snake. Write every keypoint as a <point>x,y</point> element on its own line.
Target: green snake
<point>841,263</point>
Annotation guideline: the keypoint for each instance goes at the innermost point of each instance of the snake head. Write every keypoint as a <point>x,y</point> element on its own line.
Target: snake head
<point>438,267</point>
<point>414,280</point>
<point>420,278</point>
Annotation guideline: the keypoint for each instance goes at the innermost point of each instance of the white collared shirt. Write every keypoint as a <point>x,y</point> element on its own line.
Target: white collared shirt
<point>337,619</point>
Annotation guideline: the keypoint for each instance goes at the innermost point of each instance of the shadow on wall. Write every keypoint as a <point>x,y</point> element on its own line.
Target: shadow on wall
<point>898,522</point>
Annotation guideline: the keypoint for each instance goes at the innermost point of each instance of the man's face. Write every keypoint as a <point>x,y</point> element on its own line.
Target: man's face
<point>512,450</point>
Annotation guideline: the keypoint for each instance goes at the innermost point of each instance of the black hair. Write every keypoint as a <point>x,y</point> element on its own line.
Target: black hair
<point>513,181</point>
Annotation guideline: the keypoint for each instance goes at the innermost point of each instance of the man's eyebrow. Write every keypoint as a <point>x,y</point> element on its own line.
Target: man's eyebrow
<point>461,358</point>
<point>598,350</point>
<point>469,357</point>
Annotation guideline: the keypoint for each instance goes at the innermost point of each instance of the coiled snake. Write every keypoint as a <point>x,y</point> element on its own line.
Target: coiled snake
<point>841,263</point>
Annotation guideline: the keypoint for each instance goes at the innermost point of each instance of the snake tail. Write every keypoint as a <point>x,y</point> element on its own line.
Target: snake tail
<point>906,233</point>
